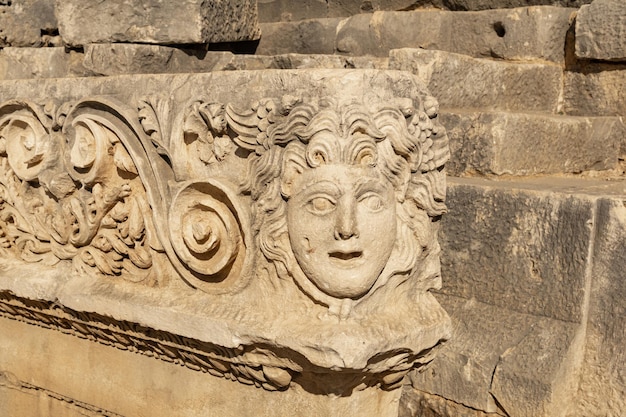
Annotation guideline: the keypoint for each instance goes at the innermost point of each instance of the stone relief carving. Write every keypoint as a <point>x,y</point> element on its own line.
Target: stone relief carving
<point>308,219</point>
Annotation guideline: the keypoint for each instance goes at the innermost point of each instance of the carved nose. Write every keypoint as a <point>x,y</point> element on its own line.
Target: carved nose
<point>345,226</point>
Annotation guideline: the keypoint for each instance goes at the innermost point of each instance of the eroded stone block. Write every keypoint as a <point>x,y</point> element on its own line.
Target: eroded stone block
<point>595,92</point>
<point>602,389</point>
<point>28,23</point>
<point>271,234</point>
<point>515,34</point>
<point>529,144</point>
<point>496,237</point>
<point>187,22</point>
<point>601,31</point>
<point>482,84</point>
<point>316,36</point>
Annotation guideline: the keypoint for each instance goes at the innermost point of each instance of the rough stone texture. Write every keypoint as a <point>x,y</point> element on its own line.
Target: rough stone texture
<point>16,63</point>
<point>124,383</point>
<point>516,34</point>
<point>414,403</point>
<point>495,239</point>
<point>529,144</point>
<point>189,21</point>
<point>480,362</point>
<point>524,332</point>
<point>138,218</point>
<point>482,84</point>
<point>27,23</point>
<point>499,4</point>
<point>303,37</point>
<point>286,10</point>
<point>603,384</point>
<point>117,59</point>
<point>601,31</point>
<point>595,91</point>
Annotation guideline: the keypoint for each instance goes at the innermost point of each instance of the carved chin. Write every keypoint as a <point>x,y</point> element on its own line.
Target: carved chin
<point>341,275</point>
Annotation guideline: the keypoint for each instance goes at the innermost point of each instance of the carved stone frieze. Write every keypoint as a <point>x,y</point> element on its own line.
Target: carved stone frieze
<point>283,234</point>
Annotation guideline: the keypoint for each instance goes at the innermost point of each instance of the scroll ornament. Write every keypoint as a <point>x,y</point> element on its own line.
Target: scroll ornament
<point>330,203</point>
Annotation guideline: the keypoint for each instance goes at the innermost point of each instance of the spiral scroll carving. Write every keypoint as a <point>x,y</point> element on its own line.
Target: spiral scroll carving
<point>207,235</point>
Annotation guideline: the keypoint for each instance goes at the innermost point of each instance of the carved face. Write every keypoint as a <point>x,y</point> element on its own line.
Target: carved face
<point>342,227</point>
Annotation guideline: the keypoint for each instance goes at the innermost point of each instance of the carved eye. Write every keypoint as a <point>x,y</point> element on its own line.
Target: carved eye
<point>320,205</point>
<point>372,201</point>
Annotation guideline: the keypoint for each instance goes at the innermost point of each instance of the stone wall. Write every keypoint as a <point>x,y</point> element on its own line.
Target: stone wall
<point>533,97</point>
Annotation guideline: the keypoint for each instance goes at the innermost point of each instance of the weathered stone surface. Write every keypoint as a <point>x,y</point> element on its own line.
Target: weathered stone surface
<point>17,63</point>
<point>539,376</point>
<point>496,237</point>
<point>125,383</point>
<point>601,31</point>
<point>303,37</point>
<point>414,403</point>
<point>516,34</point>
<point>482,84</point>
<point>27,23</point>
<point>479,362</point>
<point>286,10</point>
<point>500,4</point>
<point>116,59</point>
<point>529,144</point>
<point>596,91</point>
<point>546,242</point>
<point>603,376</point>
<point>172,218</point>
<point>190,21</point>
<point>21,399</point>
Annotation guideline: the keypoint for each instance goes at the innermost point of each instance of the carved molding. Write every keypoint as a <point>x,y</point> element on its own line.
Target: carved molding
<point>307,221</point>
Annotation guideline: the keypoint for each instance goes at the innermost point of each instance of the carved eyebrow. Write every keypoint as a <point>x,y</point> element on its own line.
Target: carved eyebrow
<point>317,186</point>
<point>369,184</point>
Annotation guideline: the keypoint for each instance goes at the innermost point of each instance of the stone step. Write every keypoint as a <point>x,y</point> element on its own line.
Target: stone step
<point>281,10</point>
<point>184,22</point>
<point>499,143</point>
<point>601,31</point>
<point>533,279</point>
<point>459,81</point>
<point>530,33</point>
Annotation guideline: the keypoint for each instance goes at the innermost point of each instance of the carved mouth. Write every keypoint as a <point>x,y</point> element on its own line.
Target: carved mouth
<point>346,258</point>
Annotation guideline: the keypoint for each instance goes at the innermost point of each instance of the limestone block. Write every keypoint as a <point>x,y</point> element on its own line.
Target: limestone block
<point>603,376</point>
<point>190,21</point>
<point>281,234</point>
<point>116,59</point>
<point>598,91</point>
<point>316,36</point>
<point>27,23</point>
<point>528,144</point>
<point>114,382</point>
<point>287,10</point>
<point>414,403</point>
<point>495,238</point>
<point>478,368</point>
<point>514,34</point>
<point>482,84</point>
<point>601,31</point>
<point>19,63</point>
<point>500,4</point>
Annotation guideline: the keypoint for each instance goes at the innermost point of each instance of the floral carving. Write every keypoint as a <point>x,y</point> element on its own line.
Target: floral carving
<point>307,220</point>
<point>70,192</point>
